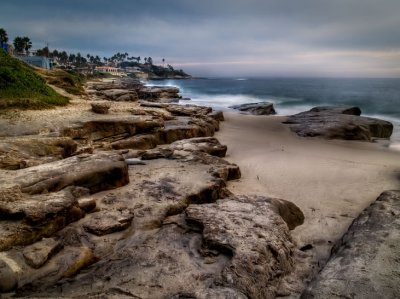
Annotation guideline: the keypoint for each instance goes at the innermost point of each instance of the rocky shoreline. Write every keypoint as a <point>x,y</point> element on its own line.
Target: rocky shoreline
<point>134,202</point>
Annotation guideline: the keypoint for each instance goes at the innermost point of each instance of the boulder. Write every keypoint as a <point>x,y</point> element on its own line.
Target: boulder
<point>40,252</point>
<point>152,93</point>
<point>107,222</point>
<point>338,123</point>
<point>364,263</point>
<point>209,145</point>
<point>101,108</point>
<point>217,115</point>
<point>261,108</point>
<point>8,277</point>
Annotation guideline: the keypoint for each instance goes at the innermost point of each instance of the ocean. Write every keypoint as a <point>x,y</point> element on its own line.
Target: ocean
<point>378,98</point>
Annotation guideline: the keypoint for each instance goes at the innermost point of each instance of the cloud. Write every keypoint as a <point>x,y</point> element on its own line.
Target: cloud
<point>222,37</point>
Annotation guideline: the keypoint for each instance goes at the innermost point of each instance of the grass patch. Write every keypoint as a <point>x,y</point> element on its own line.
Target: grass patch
<point>71,81</point>
<point>22,87</point>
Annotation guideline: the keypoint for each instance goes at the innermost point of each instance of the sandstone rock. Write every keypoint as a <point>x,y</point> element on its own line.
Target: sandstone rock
<point>8,278</point>
<point>80,258</point>
<point>37,254</point>
<point>112,129</point>
<point>186,127</point>
<point>37,207</point>
<point>36,216</point>
<point>140,142</point>
<point>100,108</point>
<point>217,115</point>
<point>365,263</point>
<point>65,264</point>
<point>168,100</point>
<point>156,92</point>
<point>210,258</point>
<point>96,172</point>
<point>261,108</point>
<point>233,226</point>
<point>180,110</point>
<point>351,110</point>
<point>107,222</point>
<point>209,145</point>
<point>123,83</point>
<point>338,123</point>
<point>22,152</point>
<point>118,95</point>
<point>87,204</point>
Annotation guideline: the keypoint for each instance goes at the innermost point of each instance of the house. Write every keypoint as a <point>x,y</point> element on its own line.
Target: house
<point>110,70</point>
<point>38,61</point>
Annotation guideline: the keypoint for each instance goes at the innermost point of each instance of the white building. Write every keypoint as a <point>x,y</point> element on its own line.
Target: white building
<point>110,70</point>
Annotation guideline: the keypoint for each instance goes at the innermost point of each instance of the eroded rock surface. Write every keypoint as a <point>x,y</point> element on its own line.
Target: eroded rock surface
<point>26,151</point>
<point>338,123</point>
<point>128,89</point>
<point>168,234</point>
<point>365,263</point>
<point>140,210</point>
<point>37,254</point>
<point>262,108</point>
<point>202,252</point>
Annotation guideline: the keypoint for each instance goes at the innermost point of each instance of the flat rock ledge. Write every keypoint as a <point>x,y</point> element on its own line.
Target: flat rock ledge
<point>134,203</point>
<point>342,122</point>
<point>365,263</point>
<point>178,233</point>
<point>129,89</point>
<point>261,108</point>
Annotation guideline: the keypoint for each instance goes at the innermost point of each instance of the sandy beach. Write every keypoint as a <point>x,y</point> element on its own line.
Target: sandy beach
<point>332,181</point>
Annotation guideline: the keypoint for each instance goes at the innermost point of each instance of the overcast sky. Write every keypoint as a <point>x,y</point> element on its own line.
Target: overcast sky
<point>222,37</point>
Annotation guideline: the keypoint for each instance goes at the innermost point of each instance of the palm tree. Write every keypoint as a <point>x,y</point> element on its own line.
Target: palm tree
<point>27,44</point>
<point>3,36</point>
<point>72,58</point>
<point>163,62</point>
<point>55,54</point>
<point>18,45</point>
<point>63,57</point>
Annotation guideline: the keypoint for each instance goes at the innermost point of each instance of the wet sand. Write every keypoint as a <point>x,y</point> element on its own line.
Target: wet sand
<point>331,181</point>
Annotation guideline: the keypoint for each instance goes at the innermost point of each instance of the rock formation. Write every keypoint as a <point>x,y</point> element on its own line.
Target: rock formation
<point>128,89</point>
<point>338,123</point>
<point>261,108</point>
<point>136,204</point>
<point>101,108</point>
<point>365,263</point>
<point>167,230</point>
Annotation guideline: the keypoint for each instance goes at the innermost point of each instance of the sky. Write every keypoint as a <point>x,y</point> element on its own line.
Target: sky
<point>234,38</point>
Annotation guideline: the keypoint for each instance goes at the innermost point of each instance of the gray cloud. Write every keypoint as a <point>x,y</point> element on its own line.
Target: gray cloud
<point>223,37</point>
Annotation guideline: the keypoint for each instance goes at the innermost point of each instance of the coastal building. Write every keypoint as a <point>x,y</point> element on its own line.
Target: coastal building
<point>7,47</point>
<point>111,70</point>
<point>38,61</point>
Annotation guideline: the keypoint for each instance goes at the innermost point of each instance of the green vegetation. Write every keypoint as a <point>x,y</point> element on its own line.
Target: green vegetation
<point>71,81</point>
<point>22,44</point>
<point>21,87</point>
<point>3,36</point>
